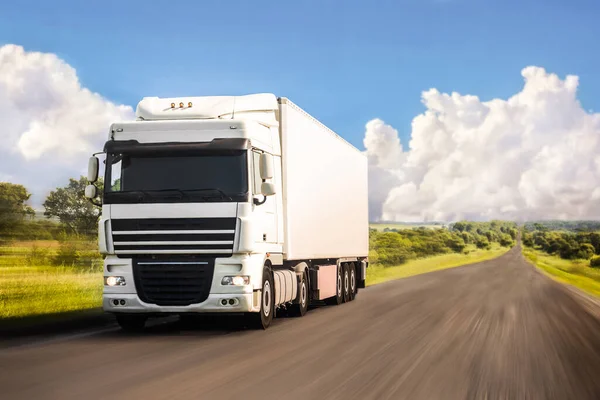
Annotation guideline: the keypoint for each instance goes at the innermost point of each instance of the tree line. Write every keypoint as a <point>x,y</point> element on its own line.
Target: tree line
<point>572,226</point>
<point>67,210</point>
<point>397,246</point>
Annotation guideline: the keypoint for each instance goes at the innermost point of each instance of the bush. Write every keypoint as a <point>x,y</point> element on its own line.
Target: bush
<point>506,240</point>
<point>595,262</point>
<point>456,243</point>
<point>67,255</point>
<point>38,255</point>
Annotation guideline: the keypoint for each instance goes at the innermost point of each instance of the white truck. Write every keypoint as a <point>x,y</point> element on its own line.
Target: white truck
<point>229,204</point>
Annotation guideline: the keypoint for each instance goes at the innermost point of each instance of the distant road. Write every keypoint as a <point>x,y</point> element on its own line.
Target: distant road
<point>493,330</point>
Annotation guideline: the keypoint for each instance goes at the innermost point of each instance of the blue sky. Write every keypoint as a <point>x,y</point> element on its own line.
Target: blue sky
<point>344,62</point>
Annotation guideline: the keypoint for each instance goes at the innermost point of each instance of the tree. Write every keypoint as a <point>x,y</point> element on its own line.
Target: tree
<point>595,240</point>
<point>482,242</point>
<point>586,251</point>
<point>13,206</point>
<point>528,239</point>
<point>72,208</point>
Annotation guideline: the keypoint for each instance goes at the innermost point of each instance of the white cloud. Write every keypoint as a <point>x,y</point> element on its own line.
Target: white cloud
<point>535,155</point>
<point>50,124</point>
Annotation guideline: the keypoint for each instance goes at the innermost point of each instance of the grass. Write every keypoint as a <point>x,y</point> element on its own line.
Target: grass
<point>30,286</point>
<point>28,291</point>
<point>378,274</point>
<point>573,272</point>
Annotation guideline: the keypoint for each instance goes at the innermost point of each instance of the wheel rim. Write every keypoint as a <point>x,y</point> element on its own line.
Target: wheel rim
<point>303,294</point>
<point>346,282</point>
<point>352,280</point>
<point>267,298</point>
<point>339,283</point>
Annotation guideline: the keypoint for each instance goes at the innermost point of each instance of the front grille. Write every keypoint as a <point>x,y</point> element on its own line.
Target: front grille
<point>180,282</point>
<point>208,236</point>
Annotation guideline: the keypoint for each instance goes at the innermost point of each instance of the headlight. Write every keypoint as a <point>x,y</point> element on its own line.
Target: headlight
<point>238,280</point>
<point>114,281</point>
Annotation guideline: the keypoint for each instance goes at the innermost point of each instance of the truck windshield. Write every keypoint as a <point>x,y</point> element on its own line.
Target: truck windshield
<point>176,177</point>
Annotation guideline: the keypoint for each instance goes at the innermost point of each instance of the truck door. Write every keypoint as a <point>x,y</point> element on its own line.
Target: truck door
<point>265,215</point>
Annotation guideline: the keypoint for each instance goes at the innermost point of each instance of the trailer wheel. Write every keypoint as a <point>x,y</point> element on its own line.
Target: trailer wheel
<point>353,288</point>
<point>263,318</point>
<point>300,308</point>
<point>131,323</point>
<point>339,290</point>
<point>346,283</point>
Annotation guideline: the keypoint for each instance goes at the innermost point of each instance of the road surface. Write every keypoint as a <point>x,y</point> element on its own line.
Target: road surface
<point>493,330</point>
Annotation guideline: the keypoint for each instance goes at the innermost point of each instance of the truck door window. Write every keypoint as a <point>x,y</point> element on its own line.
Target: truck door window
<point>256,169</point>
<point>115,176</point>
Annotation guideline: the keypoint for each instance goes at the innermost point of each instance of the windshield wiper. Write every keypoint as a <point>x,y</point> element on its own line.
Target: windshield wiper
<point>141,193</point>
<point>182,193</point>
<point>222,193</point>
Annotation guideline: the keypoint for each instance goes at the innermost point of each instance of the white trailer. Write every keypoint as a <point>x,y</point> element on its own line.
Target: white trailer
<point>229,204</point>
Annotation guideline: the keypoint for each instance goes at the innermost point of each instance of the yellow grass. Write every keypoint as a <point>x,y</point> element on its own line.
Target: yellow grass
<point>378,274</point>
<point>573,272</point>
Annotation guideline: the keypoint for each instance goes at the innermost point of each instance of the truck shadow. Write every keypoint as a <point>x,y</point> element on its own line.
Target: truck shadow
<point>200,325</point>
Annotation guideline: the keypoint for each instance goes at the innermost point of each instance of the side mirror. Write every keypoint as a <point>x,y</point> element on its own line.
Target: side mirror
<point>93,170</point>
<point>267,189</point>
<point>266,166</point>
<point>91,191</point>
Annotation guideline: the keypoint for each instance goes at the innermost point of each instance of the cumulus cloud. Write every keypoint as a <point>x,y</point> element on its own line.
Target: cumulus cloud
<point>50,123</point>
<point>535,155</point>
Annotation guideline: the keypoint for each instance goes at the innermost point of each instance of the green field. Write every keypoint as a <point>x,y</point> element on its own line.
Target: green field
<point>573,272</point>
<point>378,274</point>
<point>381,227</point>
<point>28,291</point>
<point>30,285</point>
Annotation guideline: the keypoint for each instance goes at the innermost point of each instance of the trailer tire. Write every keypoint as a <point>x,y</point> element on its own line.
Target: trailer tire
<point>339,289</point>
<point>131,323</point>
<point>263,318</point>
<point>346,282</point>
<point>353,285</point>
<point>300,308</point>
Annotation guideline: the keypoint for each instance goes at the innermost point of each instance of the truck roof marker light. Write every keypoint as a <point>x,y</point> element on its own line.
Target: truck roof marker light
<point>180,105</point>
<point>172,105</point>
<point>190,104</point>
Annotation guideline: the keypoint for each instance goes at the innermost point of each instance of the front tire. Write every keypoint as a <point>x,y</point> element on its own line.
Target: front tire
<point>299,309</point>
<point>131,323</point>
<point>263,319</point>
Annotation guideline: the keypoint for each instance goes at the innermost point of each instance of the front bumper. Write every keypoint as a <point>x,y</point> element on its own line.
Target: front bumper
<point>244,302</point>
<point>245,298</point>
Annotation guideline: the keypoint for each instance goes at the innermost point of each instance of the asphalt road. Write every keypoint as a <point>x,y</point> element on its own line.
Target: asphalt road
<point>493,330</point>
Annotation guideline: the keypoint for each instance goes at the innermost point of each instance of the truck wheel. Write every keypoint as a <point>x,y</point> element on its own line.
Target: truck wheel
<point>346,283</point>
<point>299,309</point>
<point>131,323</point>
<point>264,317</point>
<point>339,289</point>
<point>353,288</point>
